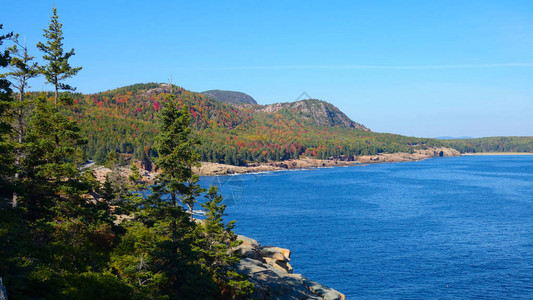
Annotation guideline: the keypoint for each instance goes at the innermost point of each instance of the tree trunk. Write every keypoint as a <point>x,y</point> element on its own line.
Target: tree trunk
<point>55,97</point>
<point>20,119</point>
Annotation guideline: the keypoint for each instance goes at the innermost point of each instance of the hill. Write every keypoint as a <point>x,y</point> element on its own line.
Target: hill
<point>230,97</point>
<point>125,120</point>
<point>313,112</point>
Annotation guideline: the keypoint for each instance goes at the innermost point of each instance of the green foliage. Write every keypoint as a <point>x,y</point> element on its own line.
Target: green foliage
<point>50,168</point>
<point>213,245</point>
<point>112,159</point>
<point>58,68</point>
<point>492,144</point>
<point>125,119</point>
<point>93,285</point>
<point>175,146</point>
<point>6,145</point>
<point>22,67</point>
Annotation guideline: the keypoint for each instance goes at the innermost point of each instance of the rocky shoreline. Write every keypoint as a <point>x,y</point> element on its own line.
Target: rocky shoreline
<point>269,270</point>
<point>214,169</point>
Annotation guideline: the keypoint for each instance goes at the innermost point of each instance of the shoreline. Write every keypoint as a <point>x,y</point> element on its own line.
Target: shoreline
<point>495,153</point>
<point>216,169</point>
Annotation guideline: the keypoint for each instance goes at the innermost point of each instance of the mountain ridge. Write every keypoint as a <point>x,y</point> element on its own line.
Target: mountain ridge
<point>316,111</point>
<point>230,97</point>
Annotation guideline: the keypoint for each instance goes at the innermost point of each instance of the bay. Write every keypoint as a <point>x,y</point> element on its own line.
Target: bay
<point>443,228</point>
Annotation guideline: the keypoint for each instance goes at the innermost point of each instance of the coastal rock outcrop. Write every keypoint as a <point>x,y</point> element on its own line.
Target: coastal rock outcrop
<point>402,157</point>
<point>271,273</point>
<point>215,169</point>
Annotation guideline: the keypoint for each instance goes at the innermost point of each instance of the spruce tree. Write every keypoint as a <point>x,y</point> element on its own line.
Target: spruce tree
<point>175,146</point>
<point>214,242</point>
<point>50,168</point>
<point>58,68</point>
<point>6,145</point>
<point>22,70</point>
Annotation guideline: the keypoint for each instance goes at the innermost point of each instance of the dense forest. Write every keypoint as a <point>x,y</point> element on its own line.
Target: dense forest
<point>65,235</point>
<point>492,144</point>
<point>124,120</point>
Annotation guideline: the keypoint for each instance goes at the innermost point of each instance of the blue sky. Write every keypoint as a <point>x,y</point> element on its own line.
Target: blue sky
<point>420,68</point>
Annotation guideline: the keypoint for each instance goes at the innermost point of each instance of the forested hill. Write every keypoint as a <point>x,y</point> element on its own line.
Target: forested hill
<point>124,120</point>
<point>313,112</point>
<point>230,97</point>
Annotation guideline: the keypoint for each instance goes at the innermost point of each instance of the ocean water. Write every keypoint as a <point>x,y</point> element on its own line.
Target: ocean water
<point>443,228</point>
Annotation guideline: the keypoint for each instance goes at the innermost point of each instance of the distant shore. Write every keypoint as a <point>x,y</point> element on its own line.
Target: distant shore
<point>497,153</point>
<point>215,169</point>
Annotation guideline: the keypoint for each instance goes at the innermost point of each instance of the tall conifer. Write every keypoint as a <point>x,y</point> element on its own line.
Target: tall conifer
<point>6,146</point>
<point>58,68</point>
<point>22,70</point>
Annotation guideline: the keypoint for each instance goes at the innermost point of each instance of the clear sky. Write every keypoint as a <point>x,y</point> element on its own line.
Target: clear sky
<point>420,68</point>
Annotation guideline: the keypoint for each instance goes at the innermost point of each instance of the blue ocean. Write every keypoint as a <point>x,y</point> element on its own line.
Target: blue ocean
<point>443,228</point>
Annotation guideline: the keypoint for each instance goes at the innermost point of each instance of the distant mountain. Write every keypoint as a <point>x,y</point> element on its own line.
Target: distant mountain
<point>453,138</point>
<point>230,97</point>
<point>312,112</point>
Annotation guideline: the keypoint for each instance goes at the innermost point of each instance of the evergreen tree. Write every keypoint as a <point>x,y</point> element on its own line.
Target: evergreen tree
<point>22,70</point>
<point>214,242</point>
<point>50,169</point>
<point>112,160</point>
<point>175,146</point>
<point>6,145</point>
<point>58,68</point>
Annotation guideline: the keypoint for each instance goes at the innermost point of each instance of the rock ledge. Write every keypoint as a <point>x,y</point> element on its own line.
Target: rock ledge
<point>271,273</point>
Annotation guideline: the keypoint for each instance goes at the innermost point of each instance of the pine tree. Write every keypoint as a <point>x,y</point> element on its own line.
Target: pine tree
<point>112,160</point>
<point>214,242</point>
<point>58,68</point>
<point>22,70</point>
<point>50,168</point>
<point>175,146</point>
<point>6,145</point>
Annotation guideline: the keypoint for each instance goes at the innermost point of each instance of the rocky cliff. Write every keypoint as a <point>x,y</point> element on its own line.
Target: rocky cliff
<point>273,277</point>
<point>313,112</point>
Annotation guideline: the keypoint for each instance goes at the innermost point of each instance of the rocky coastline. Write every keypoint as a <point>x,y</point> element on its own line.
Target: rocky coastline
<point>215,169</point>
<point>269,270</point>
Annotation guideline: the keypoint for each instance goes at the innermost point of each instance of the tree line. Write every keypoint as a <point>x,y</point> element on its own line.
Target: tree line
<point>492,144</point>
<point>65,235</point>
